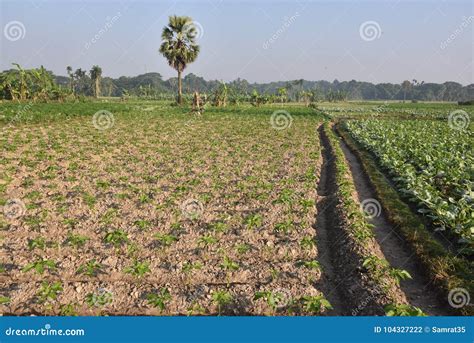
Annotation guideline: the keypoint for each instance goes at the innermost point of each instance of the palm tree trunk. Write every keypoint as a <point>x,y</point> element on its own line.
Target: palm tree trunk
<point>180,91</point>
<point>97,87</point>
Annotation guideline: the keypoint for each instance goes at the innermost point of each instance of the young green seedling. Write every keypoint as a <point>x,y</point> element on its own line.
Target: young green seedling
<point>49,291</point>
<point>116,238</point>
<point>307,243</point>
<point>138,269</point>
<point>165,240</point>
<point>100,299</point>
<point>206,241</point>
<point>315,304</point>
<point>253,221</point>
<point>37,243</point>
<point>403,310</point>
<point>273,299</point>
<point>160,299</point>
<point>76,241</point>
<point>40,266</point>
<point>221,299</point>
<point>91,268</point>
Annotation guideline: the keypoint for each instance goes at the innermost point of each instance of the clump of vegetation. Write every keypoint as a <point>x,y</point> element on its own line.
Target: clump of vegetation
<point>160,299</point>
<point>49,291</point>
<point>403,310</point>
<point>221,299</point>
<point>91,268</point>
<point>138,269</point>
<point>40,266</point>
<point>116,238</point>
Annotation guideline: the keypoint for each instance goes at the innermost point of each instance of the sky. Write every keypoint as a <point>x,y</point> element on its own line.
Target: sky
<point>260,41</point>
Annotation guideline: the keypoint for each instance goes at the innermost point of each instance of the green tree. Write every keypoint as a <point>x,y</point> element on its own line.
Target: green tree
<point>96,75</point>
<point>406,85</point>
<point>179,46</point>
<point>71,78</point>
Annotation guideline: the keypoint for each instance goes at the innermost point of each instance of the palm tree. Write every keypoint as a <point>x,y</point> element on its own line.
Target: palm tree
<point>179,46</point>
<point>96,74</point>
<point>71,78</point>
<point>406,85</point>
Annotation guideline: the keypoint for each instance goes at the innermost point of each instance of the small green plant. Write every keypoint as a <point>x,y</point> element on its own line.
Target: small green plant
<point>313,264</point>
<point>306,204</point>
<point>221,299</point>
<point>116,238</point>
<point>399,274</point>
<point>49,291</point>
<point>218,227</point>
<point>315,304</point>
<point>40,266</point>
<point>4,300</point>
<point>196,309</point>
<point>160,299</point>
<point>165,240</point>
<point>307,243</point>
<point>68,309</point>
<point>76,241</point>
<point>229,265</point>
<point>100,299</point>
<point>91,268</point>
<point>253,221</point>
<point>403,310</point>
<point>89,199</point>
<point>143,224</point>
<point>273,299</point>
<point>138,269</point>
<point>37,243</point>
<point>284,227</point>
<point>188,267</point>
<point>243,248</point>
<point>206,241</point>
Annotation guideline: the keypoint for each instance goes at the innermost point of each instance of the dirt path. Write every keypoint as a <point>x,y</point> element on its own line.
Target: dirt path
<point>326,202</point>
<point>417,290</point>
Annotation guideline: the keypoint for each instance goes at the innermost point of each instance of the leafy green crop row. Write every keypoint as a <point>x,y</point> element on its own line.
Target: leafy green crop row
<point>431,163</point>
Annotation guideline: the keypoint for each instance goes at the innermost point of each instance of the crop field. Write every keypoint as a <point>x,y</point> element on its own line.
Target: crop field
<point>431,163</point>
<point>161,213</point>
<point>143,208</point>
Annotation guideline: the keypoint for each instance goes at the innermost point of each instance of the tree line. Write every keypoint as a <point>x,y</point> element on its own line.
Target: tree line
<point>179,47</point>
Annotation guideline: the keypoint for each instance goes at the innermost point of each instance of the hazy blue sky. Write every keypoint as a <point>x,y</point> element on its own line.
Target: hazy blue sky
<point>425,40</point>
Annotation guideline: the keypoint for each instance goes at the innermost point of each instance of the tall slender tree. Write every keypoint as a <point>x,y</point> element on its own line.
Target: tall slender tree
<point>179,46</point>
<point>96,75</point>
<point>71,78</point>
